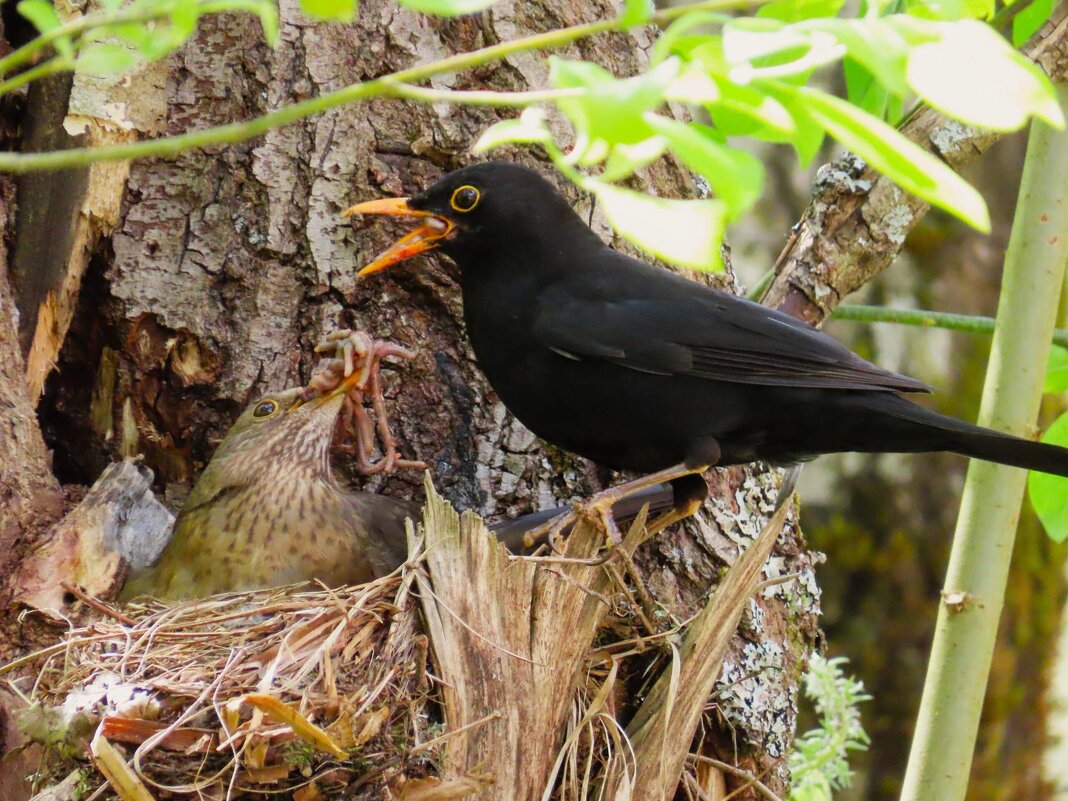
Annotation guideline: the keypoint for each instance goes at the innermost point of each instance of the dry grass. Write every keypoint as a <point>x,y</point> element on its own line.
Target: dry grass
<point>283,691</point>
<point>515,691</point>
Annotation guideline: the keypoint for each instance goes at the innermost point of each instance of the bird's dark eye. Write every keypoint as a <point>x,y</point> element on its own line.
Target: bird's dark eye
<point>465,198</point>
<point>265,409</point>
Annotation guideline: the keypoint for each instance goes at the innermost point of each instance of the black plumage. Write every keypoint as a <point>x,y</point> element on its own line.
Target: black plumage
<point>638,368</point>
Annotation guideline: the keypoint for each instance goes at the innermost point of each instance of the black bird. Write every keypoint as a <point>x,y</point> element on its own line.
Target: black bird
<point>640,369</point>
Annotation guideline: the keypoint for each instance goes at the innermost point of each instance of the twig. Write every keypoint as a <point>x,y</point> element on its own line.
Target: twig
<point>99,606</point>
<point>738,773</point>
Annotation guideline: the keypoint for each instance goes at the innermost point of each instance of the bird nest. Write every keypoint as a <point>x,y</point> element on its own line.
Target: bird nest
<point>467,673</point>
<point>285,692</point>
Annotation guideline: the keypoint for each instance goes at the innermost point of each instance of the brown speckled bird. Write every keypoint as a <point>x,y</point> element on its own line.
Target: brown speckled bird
<point>268,511</point>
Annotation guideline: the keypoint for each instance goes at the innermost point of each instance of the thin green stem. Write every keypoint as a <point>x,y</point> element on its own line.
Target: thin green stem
<point>969,324</point>
<point>426,94</point>
<point>758,289</point>
<point>78,26</point>
<point>240,131</point>
<point>948,720</point>
<point>45,68</point>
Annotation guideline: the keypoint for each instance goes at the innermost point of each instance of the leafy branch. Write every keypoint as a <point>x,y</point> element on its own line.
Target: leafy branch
<point>748,74</point>
<point>395,85</point>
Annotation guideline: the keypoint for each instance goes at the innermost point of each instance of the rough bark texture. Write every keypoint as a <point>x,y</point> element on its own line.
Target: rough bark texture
<point>227,266</point>
<point>30,497</point>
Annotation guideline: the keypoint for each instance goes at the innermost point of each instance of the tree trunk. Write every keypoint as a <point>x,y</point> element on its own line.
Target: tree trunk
<point>225,266</point>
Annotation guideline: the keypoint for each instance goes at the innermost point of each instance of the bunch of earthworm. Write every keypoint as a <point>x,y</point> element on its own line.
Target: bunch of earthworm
<point>354,352</point>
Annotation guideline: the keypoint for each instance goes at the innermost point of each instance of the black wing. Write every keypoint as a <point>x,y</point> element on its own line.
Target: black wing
<point>646,319</point>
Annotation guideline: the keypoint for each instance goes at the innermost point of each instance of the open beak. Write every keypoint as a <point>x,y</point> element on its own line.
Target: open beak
<point>342,388</point>
<point>425,237</point>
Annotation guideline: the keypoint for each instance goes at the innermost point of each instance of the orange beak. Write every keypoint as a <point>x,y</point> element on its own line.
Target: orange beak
<point>425,237</point>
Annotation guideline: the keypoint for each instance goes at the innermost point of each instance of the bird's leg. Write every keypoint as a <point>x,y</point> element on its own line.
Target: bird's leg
<point>598,509</point>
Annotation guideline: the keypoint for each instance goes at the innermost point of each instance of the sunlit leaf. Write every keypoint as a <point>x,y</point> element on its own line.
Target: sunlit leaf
<point>692,85</point>
<point>796,10</point>
<point>1027,21</point>
<point>776,51</point>
<point>447,8</point>
<point>624,160</point>
<point>268,14</point>
<point>951,9</point>
<point>972,74</point>
<point>105,59</point>
<point>734,175</point>
<point>901,160</point>
<point>636,12</point>
<point>610,110</point>
<point>41,13</point>
<point>688,32</point>
<point>684,232</point>
<point>1057,370</point>
<point>746,111</point>
<point>529,128</point>
<point>1049,494</point>
<point>808,135</point>
<point>879,45</point>
<point>337,10</point>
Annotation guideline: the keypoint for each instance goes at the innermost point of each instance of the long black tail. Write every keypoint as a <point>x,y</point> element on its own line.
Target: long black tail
<point>982,443</point>
<point>949,434</point>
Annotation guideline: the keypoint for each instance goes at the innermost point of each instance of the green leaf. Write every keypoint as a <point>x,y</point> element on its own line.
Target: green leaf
<point>901,160</point>
<point>1056,370</point>
<point>41,13</point>
<point>1027,22</point>
<point>337,10</point>
<point>863,90</point>
<point>610,112</point>
<point>797,10</point>
<point>1049,494</point>
<point>747,111</point>
<point>808,135</point>
<point>685,232</point>
<point>528,128</point>
<point>692,85</point>
<point>877,44</point>
<point>268,14</point>
<point>951,10</point>
<point>446,8</point>
<point>734,175</point>
<point>44,18</point>
<point>624,160</point>
<point>680,39</point>
<point>104,59</point>
<point>972,74</point>
<point>636,12</point>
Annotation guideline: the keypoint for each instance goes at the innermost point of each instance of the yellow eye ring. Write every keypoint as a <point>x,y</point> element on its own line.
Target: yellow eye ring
<point>465,198</point>
<point>265,409</point>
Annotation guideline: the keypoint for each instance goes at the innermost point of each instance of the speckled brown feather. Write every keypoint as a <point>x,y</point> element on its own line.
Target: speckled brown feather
<point>267,511</point>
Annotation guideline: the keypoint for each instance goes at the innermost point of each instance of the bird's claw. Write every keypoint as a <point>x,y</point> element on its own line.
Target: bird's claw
<point>357,353</point>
